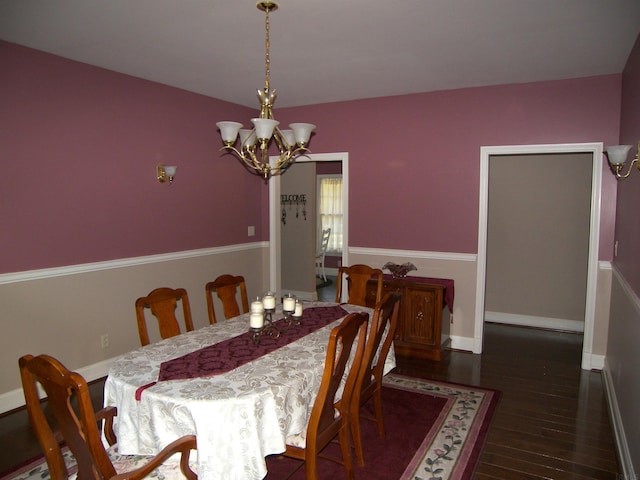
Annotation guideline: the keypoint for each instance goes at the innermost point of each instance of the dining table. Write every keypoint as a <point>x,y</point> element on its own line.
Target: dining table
<point>240,395</point>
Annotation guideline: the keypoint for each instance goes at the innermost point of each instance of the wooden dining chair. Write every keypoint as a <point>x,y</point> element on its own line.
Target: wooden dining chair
<point>163,302</point>
<point>369,380</point>
<point>357,277</point>
<point>328,416</point>
<point>226,287</point>
<point>69,402</point>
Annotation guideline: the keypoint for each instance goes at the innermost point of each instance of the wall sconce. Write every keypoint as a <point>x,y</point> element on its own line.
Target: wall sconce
<point>618,156</point>
<point>166,172</point>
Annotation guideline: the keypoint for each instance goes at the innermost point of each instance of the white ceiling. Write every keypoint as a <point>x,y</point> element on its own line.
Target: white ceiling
<point>332,50</point>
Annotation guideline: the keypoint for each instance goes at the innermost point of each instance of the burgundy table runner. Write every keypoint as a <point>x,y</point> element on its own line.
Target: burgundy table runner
<point>234,352</point>
<point>445,282</point>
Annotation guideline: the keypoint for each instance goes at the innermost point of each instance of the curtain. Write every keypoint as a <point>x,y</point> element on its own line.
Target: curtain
<point>330,211</point>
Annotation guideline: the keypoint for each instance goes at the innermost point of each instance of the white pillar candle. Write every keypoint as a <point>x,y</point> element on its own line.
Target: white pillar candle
<point>298,311</point>
<point>269,302</point>
<point>257,307</point>
<point>256,320</point>
<point>289,304</point>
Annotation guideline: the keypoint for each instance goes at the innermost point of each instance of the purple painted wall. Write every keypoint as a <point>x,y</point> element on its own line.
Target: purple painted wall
<point>414,161</point>
<point>628,219</point>
<point>79,147</point>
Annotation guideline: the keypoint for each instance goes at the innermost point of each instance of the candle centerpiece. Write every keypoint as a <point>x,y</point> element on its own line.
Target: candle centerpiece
<point>269,301</point>
<point>292,309</point>
<point>261,317</point>
<point>289,303</point>
<point>257,306</point>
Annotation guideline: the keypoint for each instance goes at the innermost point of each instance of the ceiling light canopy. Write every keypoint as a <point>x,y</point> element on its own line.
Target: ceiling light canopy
<point>253,149</point>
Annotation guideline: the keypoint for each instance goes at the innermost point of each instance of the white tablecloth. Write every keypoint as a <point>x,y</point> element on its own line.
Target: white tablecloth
<point>238,418</point>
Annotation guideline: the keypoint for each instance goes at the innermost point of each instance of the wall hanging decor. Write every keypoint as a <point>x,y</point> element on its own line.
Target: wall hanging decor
<point>300,202</point>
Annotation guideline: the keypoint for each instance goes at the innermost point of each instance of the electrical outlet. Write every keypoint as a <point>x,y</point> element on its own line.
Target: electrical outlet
<point>104,341</point>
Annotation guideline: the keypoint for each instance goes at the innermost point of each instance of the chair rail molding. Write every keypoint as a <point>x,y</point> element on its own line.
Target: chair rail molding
<point>28,275</point>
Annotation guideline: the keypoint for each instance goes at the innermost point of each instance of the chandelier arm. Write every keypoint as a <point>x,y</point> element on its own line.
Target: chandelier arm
<point>281,142</point>
<point>247,157</point>
<point>259,166</point>
<point>283,160</point>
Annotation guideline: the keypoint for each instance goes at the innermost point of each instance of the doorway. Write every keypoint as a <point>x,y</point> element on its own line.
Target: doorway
<point>275,233</point>
<point>594,151</point>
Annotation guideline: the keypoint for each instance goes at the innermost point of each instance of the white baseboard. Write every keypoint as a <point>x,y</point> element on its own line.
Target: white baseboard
<point>462,343</point>
<point>624,455</point>
<point>595,362</point>
<point>533,321</point>
<point>15,398</point>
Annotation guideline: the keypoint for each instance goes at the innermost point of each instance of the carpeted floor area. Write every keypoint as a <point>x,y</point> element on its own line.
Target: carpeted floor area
<point>433,430</point>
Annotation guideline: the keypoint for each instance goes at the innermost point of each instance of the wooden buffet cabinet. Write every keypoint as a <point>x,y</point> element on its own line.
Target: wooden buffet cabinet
<point>424,324</point>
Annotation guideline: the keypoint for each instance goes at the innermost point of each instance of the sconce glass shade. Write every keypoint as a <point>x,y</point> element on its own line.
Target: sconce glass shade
<point>617,154</point>
<point>165,173</point>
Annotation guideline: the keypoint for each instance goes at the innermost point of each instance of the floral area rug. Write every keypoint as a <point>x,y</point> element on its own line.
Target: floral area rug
<point>434,431</point>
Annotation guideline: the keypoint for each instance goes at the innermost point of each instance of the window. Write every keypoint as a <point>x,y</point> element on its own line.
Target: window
<point>330,210</point>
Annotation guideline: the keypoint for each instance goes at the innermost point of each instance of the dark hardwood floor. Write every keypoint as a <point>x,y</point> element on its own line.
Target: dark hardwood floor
<point>552,421</point>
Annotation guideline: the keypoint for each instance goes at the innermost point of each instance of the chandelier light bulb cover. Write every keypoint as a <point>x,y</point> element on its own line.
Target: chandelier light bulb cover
<point>253,145</point>
<point>617,155</point>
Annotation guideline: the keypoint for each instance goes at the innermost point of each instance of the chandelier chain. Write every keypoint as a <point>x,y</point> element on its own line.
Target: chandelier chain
<point>267,45</point>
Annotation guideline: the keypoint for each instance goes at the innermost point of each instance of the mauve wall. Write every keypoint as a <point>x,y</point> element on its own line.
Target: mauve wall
<point>80,144</point>
<point>79,147</point>
<point>628,221</point>
<point>414,160</point>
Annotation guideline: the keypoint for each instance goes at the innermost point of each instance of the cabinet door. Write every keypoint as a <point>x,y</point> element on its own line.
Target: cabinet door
<point>421,323</point>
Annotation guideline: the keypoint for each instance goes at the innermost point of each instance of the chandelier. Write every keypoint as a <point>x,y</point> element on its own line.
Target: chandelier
<point>254,143</point>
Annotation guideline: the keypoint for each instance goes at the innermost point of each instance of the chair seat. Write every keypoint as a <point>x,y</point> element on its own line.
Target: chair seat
<point>169,470</point>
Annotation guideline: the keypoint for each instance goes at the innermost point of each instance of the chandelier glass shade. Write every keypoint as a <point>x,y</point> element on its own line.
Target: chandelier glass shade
<point>253,146</point>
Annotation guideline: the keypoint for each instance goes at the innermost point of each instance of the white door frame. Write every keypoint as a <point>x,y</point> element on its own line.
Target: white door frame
<point>275,269</point>
<point>594,234</point>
